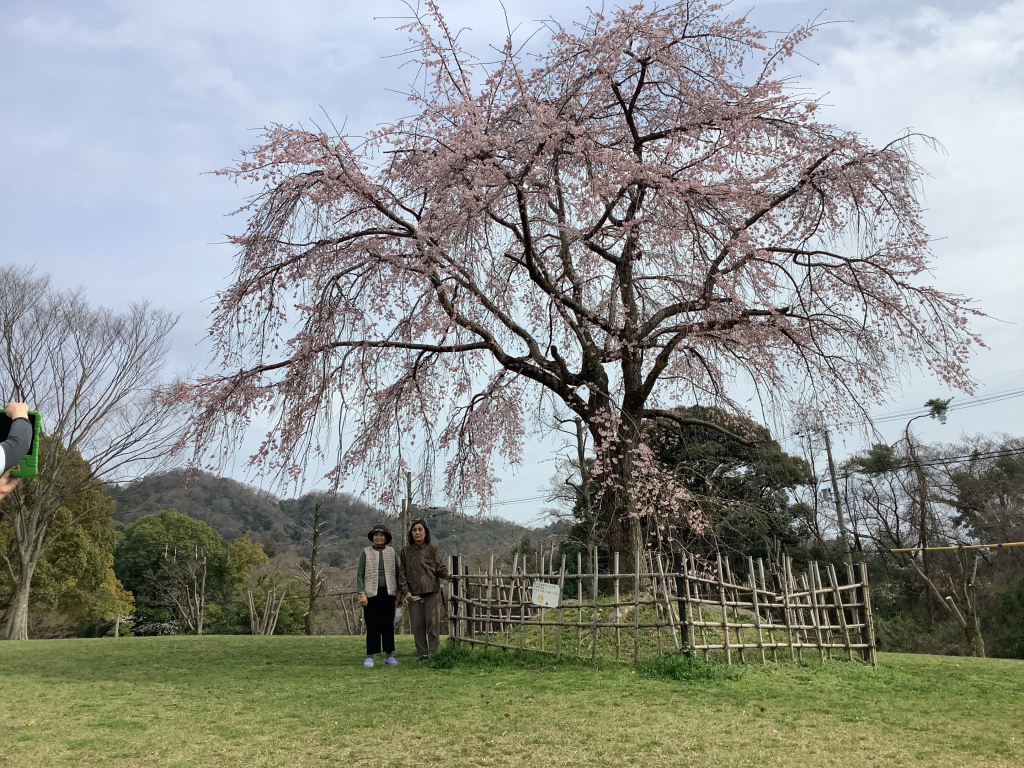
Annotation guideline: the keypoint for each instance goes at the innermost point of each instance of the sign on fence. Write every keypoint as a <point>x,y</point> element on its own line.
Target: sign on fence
<point>545,594</point>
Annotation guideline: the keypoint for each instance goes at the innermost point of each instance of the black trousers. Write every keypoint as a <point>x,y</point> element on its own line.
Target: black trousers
<point>379,615</point>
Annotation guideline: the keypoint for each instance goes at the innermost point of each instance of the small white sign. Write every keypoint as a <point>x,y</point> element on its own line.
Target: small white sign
<point>545,594</point>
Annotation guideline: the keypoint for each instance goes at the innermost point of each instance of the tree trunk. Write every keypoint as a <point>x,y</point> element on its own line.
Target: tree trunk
<point>17,614</point>
<point>975,641</point>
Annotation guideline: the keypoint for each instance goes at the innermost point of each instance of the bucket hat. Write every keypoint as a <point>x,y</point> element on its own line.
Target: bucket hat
<point>384,530</point>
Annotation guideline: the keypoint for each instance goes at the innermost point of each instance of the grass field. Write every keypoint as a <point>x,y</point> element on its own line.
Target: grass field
<point>300,701</point>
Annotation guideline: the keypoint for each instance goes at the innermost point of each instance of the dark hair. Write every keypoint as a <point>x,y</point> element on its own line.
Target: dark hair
<point>426,539</point>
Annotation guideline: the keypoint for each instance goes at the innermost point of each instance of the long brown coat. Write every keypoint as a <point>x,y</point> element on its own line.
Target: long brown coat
<point>422,568</point>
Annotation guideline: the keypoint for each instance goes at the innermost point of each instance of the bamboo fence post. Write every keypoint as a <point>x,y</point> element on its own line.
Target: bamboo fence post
<point>449,590</point>
<point>851,579</point>
<point>655,605</point>
<point>579,603</point>
<point>823,617</point>
<point>540,575</point>
<point>490,604</point>
<point>636,606</point>
<point>735,609</point>
<point>869,623</point>
<point>833,581</point>
<point>725,615</point>
<point>618,637</point>
<point>512,595</point>
<point>788,617</point>
<point>668,604</point>
<point>755,604</point>
<point>771,620</point>
<point>682,605</point>
<point>522,607</point>
<point>798,617</point>
<point>814,612</point>
<point>467,585</point>
<point>504,605</point>
<point>698,586</point>
<point>593,648</point>
<point>558,629</point>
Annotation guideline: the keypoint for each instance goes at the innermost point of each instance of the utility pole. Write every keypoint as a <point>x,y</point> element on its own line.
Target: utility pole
<point>406,517</point>
<point>839,505</point>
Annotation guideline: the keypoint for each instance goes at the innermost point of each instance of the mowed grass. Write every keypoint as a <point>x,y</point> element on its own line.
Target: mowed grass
<point>307,701</point>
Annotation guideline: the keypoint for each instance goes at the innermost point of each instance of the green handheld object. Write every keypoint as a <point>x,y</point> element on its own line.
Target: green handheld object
<point>29,464</point>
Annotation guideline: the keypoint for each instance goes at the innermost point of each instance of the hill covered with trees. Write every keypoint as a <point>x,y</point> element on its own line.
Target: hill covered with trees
<point>234,509</point>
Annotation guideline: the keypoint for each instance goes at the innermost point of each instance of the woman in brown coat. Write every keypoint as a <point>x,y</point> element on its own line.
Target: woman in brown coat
<point>422,569</point>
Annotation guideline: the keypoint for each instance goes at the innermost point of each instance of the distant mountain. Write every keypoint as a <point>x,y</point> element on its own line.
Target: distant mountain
<point>233,508</point>
<point>230,507</point>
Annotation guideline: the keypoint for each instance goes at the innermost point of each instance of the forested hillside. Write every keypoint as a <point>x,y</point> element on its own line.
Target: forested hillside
<point>233,508</point>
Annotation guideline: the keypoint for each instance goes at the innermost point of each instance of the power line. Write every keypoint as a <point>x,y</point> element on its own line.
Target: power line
<point>995,397</point>
<point>935,461</point>
<point>523,500</point>
<point>962,546</point>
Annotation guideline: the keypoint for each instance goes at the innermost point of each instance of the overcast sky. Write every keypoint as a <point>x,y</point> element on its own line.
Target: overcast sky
<point>113,113</point>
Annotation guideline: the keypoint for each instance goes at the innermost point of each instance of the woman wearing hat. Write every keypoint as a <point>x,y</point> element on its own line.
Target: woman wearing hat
<point>378,578</point>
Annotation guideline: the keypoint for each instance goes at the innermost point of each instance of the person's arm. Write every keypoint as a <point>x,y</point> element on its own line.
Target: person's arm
<point>440,567</point>
<point>403,573</point>
<point>361,577</point>
<point>19,440</point>
<point>400,573</point>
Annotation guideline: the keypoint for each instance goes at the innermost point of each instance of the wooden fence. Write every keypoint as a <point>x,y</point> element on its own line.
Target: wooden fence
<point>672,603</point>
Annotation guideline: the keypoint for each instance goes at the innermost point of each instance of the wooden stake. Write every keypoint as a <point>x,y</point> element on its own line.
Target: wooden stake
<point>814,614</point>
<point>540,570</point>
<point>668,604</point>
<point>771,620</point>
<point>522,607</point>
<point>636,607</point>
<point>735,609</point>
<point>487,622</point>
<point>725,614</point>
<point>558,630</point>
<point>593,650</point>
<point>869,625</point>
<point>833,581</point>
<point>786,612</point>
<point>618,638</point>
<point>579,603</point>
<point>755,604</point>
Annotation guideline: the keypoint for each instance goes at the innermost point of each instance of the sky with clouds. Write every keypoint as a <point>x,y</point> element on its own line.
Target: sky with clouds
<point>114,113</point>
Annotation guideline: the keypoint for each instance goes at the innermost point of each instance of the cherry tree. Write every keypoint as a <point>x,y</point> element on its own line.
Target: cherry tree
<point>645,214</point>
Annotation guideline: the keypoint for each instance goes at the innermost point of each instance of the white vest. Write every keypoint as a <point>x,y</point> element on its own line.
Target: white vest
<point>373,567</point>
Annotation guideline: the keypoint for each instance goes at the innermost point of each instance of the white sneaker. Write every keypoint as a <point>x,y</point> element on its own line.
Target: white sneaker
<point>368,662</point>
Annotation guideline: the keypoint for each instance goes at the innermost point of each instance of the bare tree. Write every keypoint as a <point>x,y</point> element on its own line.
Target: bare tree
<point>181,582</point>
<point>314,577</point>
<point>93,374</point>
<point>265,624</point>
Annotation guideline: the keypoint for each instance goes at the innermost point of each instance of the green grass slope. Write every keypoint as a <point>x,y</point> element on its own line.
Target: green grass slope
<point>307,701</point>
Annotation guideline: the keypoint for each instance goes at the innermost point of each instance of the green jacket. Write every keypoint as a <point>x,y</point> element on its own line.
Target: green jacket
<point>422,568</point>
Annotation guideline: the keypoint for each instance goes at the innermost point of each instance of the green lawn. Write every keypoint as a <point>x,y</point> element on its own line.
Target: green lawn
<point>298,701</point>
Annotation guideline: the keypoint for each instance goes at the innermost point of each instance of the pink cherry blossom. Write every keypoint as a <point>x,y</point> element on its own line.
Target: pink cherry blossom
<point>643,216</point>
